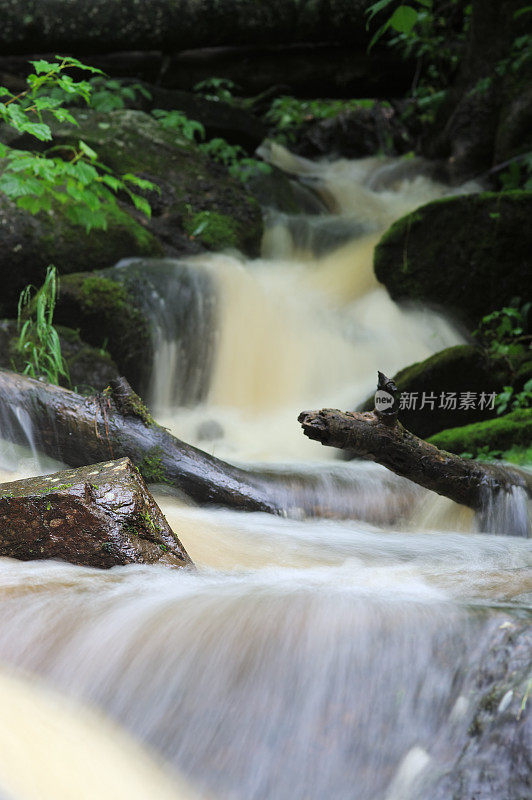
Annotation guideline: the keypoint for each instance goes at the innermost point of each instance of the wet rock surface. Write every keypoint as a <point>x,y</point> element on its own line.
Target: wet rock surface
<point>98,516</point>
<point>28,243</point>
<point>468,254</point>
<point>495,759</point>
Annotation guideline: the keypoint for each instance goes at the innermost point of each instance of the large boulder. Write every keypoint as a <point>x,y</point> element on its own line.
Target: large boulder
<point>141,307</point>
<point>98,516</point>
<point>199,204</point>
<point>29,243</point>
<point>428,388</point>
<point>469,254</point>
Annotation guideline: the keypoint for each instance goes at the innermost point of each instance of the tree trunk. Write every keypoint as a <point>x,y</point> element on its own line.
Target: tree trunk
<point>97,516</point>
<point>371,436</point>
<point>69,25</point>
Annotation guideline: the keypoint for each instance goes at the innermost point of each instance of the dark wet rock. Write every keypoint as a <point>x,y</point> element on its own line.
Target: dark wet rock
<point>278,191</point>
<point>468,254</point>
<point>499,434</point>
<point>459,369</point>
<point>495,759</point>
<point>89,368</point>
<point>29,243</point>
<point>354,133</point>
<point>96,516</point>
<point>106,314</point>
<point>227,121</point>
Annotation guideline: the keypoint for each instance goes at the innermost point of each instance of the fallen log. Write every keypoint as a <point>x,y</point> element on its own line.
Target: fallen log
<point>373,436</point>
<point>85,430</point>
<point>97,516</point>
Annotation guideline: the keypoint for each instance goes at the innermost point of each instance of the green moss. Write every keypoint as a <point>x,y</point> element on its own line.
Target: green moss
<point>98,292</point>
<point>501,434</point>
<point>151,467</point>
<point>216,231</point>
<point>467,253</point>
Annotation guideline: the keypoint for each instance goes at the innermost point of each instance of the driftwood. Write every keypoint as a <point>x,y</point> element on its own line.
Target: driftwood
<point>98,516</point>
<point>378,436</point>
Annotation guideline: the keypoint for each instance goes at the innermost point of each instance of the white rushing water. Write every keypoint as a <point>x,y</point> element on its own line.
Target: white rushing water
<point>304,658</point>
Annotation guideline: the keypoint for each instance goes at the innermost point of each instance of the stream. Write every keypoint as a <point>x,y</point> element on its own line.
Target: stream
<point>306,658</point>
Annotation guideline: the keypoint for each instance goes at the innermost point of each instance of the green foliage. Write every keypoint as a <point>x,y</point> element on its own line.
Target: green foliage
<point>104,94</point>
<point>217,89</point>
<point>180,124</point>
<point>510,400</point>
<point>518,175</point>
<point>68,176</point>
<point>515,455</point>
<point>111,94</point>
<point>287,113</point>
<point>38,341</point>
<point>435,38</point>
<point>506,333</point>
<point>235,159</point>
<point>403,18</point>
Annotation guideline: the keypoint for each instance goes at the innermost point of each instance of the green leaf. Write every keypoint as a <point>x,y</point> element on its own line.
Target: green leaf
<point>41,66</point>
<point>140,182</point>
<point>87,150</point>
<point>377,7</point>
<point>141,204</point>
<point>403,19</point>
<point>521,11</point>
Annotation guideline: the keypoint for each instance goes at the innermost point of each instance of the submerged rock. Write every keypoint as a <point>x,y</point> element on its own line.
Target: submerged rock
<point>96,516</point>
<point>469,254</point>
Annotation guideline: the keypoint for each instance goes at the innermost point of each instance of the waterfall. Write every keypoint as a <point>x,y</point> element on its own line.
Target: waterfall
<point>330,653</point>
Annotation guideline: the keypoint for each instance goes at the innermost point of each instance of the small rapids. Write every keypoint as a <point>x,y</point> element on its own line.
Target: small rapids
<point>330,653</point>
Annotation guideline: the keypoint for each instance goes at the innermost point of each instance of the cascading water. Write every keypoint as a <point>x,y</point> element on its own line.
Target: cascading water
<point>306,658</point>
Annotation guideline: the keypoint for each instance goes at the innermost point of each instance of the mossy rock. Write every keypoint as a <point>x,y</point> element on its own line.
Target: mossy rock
<point>459,369</point>
<point>500,434</point>
<point>28,244</point>
<point>468,254</point>
<point>105,313</point>
<point>190,183</point>
<point>90,369</point>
